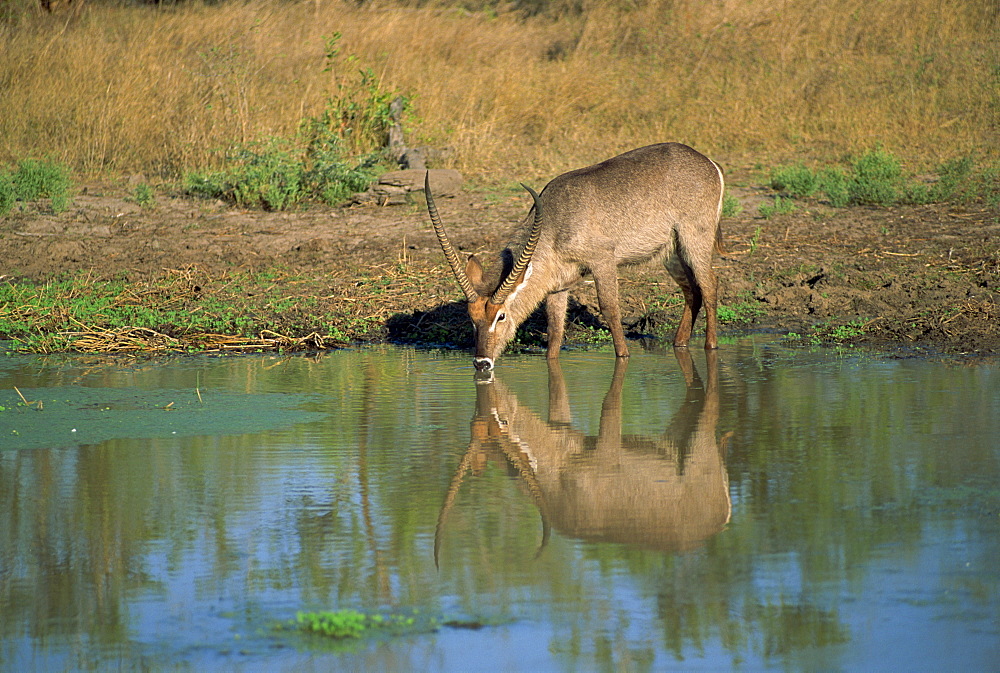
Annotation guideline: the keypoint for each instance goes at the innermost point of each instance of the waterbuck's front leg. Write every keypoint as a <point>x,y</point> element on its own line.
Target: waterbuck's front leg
<point>606,279</point>
<point>555,313</point>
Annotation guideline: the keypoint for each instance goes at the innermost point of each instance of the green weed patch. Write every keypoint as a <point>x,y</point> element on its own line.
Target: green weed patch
<point>877,178</point>
<point>182,310</point>
<point>35,179</point>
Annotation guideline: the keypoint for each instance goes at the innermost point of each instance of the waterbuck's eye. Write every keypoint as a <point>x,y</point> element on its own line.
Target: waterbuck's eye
<point>501,317</point>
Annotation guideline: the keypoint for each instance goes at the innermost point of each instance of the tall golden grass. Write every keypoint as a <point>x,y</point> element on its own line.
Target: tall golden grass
<point>163,90</point>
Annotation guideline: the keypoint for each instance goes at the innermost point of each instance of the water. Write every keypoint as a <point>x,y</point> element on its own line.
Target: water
<point>767,509</point>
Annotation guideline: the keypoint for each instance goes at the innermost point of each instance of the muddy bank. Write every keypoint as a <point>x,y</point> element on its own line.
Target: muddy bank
<point>922,277</point>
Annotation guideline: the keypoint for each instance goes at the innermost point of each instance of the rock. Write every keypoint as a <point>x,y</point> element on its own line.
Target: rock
<point>393,187</point>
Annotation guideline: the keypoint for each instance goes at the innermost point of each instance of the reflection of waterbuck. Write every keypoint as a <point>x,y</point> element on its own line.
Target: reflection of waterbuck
<point>657,202</point>
<point>669,492</point>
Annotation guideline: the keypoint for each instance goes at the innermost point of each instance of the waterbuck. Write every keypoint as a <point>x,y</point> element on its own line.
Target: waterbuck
<point>657,202</point>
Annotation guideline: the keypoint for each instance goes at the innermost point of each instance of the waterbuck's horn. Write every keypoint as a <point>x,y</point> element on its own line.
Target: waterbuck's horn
<point>525,257</point>
<point>449,250</point>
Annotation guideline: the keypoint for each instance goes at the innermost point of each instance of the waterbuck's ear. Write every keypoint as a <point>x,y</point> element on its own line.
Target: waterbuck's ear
<point>474,270</point>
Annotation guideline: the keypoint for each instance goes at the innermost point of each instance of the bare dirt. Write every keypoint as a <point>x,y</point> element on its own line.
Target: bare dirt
<point>921,279</point>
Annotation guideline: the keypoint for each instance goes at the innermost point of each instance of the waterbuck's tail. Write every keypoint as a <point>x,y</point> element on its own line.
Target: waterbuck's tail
<point>719,249</point>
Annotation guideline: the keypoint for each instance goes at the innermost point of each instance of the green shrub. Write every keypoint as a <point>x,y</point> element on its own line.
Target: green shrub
<point>142,195</point>
<point>731,206</point>
<point>7,194</point>
<point>780,206</point>
<point>333,155</point>
<point>798,181</point>
<point>834,183</point>
<point>358,113</point>
<point>258,175</point>
<point>877,179</point>
<point>266,174</point>
<point>36,179</point>
<point>329,177</point>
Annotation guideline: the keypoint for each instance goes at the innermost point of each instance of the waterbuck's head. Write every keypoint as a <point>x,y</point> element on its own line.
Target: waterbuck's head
<point>490,301</point>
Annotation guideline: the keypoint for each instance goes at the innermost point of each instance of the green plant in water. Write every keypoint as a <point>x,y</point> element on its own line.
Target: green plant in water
<point>344,624</point>
<point>851,330</point>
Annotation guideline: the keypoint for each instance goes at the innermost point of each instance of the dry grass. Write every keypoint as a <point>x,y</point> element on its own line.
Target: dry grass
<point>130,89</point>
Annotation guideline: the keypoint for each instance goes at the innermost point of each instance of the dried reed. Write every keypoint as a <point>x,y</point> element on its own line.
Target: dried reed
<point>164,90</point>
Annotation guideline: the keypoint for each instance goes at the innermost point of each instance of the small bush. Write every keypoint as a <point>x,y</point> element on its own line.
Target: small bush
<point>834,183</point>
<point>731,206</point>
<point>877,179</point>
<point>266,175</point>
<point>274,175</point>
<point>7,193</point>
<point>780,206</point>
<point>142,195</point>
<point>333,155</point>
<point>36,179</point>
<point>329,177</point>
<point>798,181</point>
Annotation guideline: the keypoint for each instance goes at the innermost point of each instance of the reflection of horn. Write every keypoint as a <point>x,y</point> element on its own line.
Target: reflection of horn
<point>517,458</point>
<point>449,500</point>
<point>513,454</point>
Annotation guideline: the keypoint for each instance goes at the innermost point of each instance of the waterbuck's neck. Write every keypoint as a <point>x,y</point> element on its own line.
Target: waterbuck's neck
<point>546,275</point>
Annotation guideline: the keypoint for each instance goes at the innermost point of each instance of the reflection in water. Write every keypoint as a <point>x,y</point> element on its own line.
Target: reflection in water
<point>202,500</point>
<point>667,492</point>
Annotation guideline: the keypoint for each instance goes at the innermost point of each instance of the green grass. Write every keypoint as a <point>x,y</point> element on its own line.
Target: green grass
<point>831,333</point>
<point>69,313</point>
<point>731,206</point>
<point>142,195</point>
<point>745,310</point>
<point>780,206</point>
<point>797,181</point>
<point>877,177</point>
<point>321,162</point>
<point>35,179</point>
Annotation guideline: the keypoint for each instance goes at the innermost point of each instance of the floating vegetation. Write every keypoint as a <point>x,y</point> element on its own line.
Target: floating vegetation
<point>349,623</point>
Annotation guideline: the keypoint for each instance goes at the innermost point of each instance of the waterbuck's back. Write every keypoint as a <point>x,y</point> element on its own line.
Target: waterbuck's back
<point>635,206</point>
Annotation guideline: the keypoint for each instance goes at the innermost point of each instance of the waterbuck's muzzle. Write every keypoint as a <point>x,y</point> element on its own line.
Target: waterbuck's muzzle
<point>482,364</point>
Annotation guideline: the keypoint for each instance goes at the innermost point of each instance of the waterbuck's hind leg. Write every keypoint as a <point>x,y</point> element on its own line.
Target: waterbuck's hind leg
<point>682,274</point>
<point>700,288</point>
